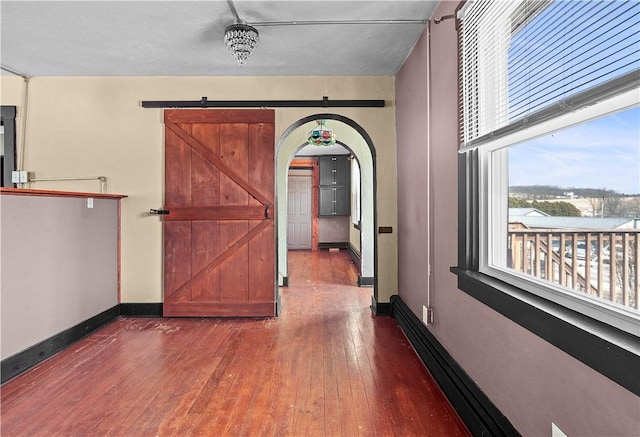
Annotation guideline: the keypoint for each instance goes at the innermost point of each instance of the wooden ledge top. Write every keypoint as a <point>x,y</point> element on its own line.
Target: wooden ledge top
<point>52,193</point>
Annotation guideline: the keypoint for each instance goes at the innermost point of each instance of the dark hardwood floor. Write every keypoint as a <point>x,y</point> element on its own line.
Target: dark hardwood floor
<point>325,367</point>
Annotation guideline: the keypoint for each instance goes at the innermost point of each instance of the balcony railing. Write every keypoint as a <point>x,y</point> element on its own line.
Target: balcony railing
<point>603,264</point>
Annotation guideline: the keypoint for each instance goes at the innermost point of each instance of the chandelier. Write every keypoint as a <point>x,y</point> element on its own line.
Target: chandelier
<point>241,38</point>
<point>322,135</point>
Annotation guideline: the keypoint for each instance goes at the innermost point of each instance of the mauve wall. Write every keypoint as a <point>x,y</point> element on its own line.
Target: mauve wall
<point>411,132</point>
<point>59,265</point>
<point>532,382</point>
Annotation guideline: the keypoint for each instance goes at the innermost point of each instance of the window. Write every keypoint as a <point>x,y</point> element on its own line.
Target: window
<point>535,74</point>
<point>573,195</point>
<point>570,196</point>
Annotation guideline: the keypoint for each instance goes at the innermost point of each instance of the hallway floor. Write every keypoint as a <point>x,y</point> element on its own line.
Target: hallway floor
<point>325,367</point>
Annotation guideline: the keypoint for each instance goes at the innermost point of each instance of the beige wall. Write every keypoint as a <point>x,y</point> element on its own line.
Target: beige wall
<point>95,126</point>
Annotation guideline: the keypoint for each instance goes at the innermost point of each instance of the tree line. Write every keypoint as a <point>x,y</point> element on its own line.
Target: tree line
<point>603,202</point>
<point>553,191</point>
<point>557,209</point>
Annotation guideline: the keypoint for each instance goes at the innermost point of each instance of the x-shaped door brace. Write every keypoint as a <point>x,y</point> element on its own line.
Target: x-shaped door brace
<point>231,212</point>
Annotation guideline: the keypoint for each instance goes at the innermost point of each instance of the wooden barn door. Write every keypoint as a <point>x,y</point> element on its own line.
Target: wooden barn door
<point>219,238</point>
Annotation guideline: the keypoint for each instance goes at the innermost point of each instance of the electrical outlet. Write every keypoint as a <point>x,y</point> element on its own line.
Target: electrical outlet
<point>90,202</point>
<point>427,315</point>
<point>556,432</point>
<point>20,177</point>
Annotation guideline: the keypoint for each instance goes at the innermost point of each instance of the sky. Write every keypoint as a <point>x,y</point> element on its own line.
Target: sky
<point>602,153</point>
<point>551,58</point>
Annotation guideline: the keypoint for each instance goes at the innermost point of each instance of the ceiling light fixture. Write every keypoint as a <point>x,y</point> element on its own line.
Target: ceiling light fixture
<point>240,37</point>
<point>322,135</point>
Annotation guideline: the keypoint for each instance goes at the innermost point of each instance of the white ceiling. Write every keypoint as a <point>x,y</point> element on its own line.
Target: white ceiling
<point>185,38</point>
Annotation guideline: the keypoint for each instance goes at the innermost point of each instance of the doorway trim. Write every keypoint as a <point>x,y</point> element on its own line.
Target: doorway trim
<point>365,153</point>
<point>8,121</point>
<point>310,163</point>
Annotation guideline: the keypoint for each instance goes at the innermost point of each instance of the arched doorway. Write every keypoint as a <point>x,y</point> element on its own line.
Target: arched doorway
<point>359,142</point>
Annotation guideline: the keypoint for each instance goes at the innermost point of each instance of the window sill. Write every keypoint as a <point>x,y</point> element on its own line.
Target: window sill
<point>608,350</point>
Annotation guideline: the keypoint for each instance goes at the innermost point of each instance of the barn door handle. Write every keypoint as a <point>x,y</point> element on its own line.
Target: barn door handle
<point>266,211</point>
<point>159,211</point>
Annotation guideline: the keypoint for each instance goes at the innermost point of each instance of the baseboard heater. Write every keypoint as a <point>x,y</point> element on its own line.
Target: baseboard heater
<point>477,411</point>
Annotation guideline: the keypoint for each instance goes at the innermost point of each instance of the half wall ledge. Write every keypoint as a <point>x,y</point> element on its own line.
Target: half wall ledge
<point>54,193</point>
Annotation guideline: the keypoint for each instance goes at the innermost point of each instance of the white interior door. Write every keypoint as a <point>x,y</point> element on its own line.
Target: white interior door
<point>299,212</point>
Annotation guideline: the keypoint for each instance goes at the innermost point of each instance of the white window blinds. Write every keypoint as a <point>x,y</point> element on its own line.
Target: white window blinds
<point>523,62</point>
